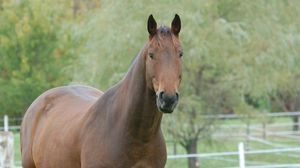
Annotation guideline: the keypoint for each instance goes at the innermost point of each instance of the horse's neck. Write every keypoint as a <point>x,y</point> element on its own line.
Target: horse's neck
<point>130,106</point>
<point>142,118</point>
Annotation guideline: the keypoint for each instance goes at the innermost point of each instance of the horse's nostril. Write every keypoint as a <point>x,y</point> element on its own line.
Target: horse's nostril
<point>161,94</point>
<point>177,95</point>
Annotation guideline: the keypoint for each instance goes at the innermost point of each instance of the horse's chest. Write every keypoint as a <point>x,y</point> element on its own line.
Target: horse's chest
<point>124,152</point>
<point>124,162</point>
<point>118,157</point>
<point>142,163</point>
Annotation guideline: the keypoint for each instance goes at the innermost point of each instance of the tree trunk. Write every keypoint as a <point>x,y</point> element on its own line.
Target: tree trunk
<point>191,148</point>
<point>76,7</point>
<point>295,123</point>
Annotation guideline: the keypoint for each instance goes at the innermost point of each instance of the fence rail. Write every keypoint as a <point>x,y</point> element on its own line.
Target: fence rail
<point>236,116</point>
<point>203,155</point>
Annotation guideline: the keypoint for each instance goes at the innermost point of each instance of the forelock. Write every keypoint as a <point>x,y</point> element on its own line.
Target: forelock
<point>164,31</point>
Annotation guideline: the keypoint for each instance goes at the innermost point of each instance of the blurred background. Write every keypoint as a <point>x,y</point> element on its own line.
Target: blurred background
<point>241,80</point>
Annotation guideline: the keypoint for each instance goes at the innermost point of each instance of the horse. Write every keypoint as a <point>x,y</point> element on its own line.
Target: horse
<point>80,126</point>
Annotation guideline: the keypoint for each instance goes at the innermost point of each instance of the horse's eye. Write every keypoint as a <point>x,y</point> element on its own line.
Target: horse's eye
<point>151,55</point>
<point>180,54</point>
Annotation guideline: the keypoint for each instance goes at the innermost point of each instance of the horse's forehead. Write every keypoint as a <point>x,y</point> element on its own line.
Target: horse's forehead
<point>165,42</point>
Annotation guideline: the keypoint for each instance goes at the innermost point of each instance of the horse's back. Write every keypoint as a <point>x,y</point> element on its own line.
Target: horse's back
<point>50,127</point>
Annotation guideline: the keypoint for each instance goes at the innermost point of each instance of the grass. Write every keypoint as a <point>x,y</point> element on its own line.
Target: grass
<point>17,147</point>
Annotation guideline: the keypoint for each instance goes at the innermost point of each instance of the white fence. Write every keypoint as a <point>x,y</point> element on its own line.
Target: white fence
<point>260,142</point>
<point>242,155</point>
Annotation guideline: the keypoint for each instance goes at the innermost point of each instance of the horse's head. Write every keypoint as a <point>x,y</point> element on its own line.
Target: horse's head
<point>163,63</point>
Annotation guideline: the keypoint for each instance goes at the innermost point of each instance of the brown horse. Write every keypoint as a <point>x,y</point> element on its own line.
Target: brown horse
<point>79,126</point>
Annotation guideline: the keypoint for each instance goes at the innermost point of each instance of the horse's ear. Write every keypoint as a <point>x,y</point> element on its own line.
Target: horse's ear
<point>176,25</point>
<point>152,26</point>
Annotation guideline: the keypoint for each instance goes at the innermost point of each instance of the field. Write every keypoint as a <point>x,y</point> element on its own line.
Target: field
<point>226,139</point>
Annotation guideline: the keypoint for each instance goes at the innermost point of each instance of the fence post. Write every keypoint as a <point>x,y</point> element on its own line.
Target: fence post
<point>264,127</point>
<point>5,123</point>
<point>174,148</point>
<point>6,150</point>
<point>241,155</point>
<point>248,134</point>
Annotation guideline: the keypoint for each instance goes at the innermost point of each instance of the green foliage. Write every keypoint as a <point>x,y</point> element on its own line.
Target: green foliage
<point>35,52</point>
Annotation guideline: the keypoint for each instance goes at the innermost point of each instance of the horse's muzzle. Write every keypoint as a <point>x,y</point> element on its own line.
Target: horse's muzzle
<point>166,103</point>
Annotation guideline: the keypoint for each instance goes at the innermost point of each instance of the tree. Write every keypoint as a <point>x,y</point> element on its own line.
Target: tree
<point>229,63</point>
<point>35,52</point>
<point>272,56</point>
